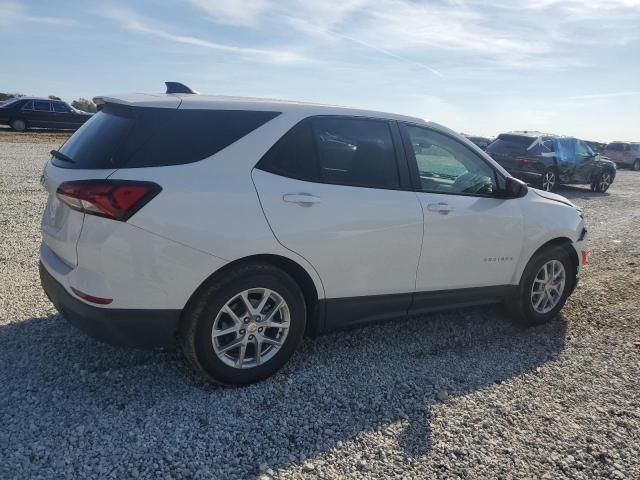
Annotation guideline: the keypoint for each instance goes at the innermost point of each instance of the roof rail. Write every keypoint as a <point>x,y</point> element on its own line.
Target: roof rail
<point>177,87</point>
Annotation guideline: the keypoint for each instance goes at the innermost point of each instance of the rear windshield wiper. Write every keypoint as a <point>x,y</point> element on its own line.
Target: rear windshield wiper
<point>61,156</point>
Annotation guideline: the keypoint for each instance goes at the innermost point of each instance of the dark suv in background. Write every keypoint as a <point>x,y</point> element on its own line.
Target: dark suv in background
<point>625,154</point>
<point>546,160</point>
<point>29,112</point>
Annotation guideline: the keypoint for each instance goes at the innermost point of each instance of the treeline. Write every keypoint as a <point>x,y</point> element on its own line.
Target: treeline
<point>81,103</point>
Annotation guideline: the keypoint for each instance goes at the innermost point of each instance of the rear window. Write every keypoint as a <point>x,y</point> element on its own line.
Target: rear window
<point>126,137</point>
<point>615,147</point>
<point>10,102</point>
<point>510,144</point>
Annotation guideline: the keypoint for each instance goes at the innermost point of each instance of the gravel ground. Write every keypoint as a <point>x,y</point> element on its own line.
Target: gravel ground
<point>457,395</point>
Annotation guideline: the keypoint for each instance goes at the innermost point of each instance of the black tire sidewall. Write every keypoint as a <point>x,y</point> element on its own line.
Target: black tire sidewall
<point>26,125</point>
<point>215,299</point>
<point>553,253</point>
<point>636,165</point>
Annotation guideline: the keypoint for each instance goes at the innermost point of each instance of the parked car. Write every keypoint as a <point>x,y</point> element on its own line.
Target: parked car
<point>482,142</point>
<point>624,154</point>
<point>546,160</point>
<point>233,226</point>
<point>28,112</point>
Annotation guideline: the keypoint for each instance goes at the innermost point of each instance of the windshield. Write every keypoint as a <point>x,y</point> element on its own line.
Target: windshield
<point>9,102</point>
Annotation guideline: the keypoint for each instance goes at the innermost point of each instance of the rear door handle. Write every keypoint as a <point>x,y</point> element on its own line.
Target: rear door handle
<point>442,208</point>
<point>304,199</point>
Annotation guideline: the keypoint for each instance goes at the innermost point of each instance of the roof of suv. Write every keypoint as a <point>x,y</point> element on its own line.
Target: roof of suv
<point>532,134</point>
<point>44,99</point>
<point>161,100</point>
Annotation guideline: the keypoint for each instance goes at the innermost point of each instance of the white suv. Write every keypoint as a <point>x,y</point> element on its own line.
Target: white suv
<point>233,226</point>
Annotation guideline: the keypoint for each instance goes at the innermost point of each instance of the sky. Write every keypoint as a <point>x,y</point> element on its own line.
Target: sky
<point>568,67</point>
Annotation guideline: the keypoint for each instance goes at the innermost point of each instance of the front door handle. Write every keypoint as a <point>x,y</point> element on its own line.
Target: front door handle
<point>442,208</point>
<point>304,199</point>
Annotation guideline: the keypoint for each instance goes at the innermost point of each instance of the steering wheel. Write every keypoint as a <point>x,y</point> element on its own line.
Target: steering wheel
<point>473,183</point>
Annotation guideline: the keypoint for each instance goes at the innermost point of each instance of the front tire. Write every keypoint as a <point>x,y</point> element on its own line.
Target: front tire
<point>549,179</point>
<point>19,125</point>
<point>602,182</point>
<point>546,283</point>
<point>244,326</point>
<point>636,165</point>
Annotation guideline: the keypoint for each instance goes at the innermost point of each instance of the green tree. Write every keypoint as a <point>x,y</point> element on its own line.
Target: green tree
<point>84,105</point>
<point>7,96</point>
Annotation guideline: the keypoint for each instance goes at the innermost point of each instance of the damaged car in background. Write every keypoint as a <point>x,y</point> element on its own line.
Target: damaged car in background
<point>546,160</point>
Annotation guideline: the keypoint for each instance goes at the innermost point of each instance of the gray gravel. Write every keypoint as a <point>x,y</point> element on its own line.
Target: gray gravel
<point>458,395</point>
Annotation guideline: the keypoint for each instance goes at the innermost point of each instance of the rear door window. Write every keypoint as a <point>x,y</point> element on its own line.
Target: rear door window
<point>337,150</point>
<point>357,152</point>
<point>132,137</point>
<point>28,105</point>
<point>40,106</point>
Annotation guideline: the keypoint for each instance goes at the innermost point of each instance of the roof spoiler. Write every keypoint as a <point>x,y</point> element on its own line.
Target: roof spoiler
<point>177,87</point>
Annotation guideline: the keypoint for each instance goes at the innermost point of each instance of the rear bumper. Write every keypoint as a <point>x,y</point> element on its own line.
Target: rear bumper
<point>137,328</point>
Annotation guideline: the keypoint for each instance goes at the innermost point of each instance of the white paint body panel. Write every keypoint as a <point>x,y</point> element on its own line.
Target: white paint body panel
<point>477,244</point>
<point>362,241</point>
<point>356,241</point>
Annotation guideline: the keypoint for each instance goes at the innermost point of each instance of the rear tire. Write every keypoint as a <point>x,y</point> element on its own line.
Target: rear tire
<point>549,179</point>
<point>541,296</point>
<point>19,125</point>
<point>258,343</point>
<point>636,165</point>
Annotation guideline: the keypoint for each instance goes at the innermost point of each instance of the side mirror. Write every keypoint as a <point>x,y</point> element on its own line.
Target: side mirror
<point>514,188</point>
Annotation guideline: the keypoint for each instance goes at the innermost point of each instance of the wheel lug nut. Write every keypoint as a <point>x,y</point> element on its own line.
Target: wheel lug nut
<point>258,318</point>
<point>250,337</point>
<point>260,329</point>
<point>242,332</point>
<point>246,319</point>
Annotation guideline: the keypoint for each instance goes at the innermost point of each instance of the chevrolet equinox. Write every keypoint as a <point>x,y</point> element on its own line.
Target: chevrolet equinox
<point>231,227</point>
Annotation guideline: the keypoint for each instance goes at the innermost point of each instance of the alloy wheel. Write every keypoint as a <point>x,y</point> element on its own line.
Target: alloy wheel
<point>549,180</point>
<point>548,286</point>
<point>251,328</point>
<point>604,181</point>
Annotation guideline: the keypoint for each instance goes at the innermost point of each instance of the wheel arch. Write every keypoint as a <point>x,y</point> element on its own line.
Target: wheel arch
<point>561,241</point>
<point>315,310</point>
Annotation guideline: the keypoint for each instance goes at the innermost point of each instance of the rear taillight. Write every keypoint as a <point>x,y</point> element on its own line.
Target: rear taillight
<point>115,199</point>
<point>527,159</point>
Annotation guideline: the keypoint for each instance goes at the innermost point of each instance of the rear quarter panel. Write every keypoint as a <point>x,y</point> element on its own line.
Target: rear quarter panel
<point>212,205</point>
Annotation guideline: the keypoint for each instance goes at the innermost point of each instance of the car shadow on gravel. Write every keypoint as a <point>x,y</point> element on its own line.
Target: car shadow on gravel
<point>579,191</point>
<point>66,395</point>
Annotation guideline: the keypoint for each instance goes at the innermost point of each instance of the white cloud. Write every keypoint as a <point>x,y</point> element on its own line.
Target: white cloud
<point>233,12</point>
<point>593,96</point>
<point>14,14</point>
<point>133,22</point>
